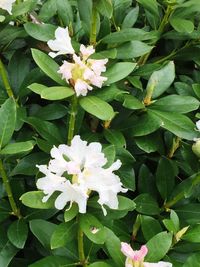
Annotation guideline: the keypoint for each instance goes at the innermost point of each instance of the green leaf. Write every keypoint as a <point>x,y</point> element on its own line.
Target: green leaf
<point>165,177</point>
<point>130,18</point>
<point>150,227</point>
<point>176,103</point>
<point>146,124</point>
<point>131,102</point>
<point>151,6</point>
<point>71,213</point>
<point>97,107</point>
<point>99,264</point>
<point>18,233</point>
<point>182,25</point>
<point>51,261</point>
<point>19,147</point>
<point>113,245</point>
<point>115,137</point>
<point>33,199</point>
<point>65,11</point>
<point>129,34</point>
<point>7,252</point>
<point>52,111</point>
<point>43,231</point>
<point>41,32</point>
<point>118,71</point>
<point>178,124</point>
<point>92,228</point>
<point>161,80</point>
<point>189,213</point>
<point>51,93</point>
<point>196,88</point>
<point>192,260</point>
<point>47,130</point>
<point>22,8</point>
<point>133,49</point>
<point>146,204</point>
<point>158,246</point>
<point>63,234</point>
<point>193,234</point>
<point>105,8</point>
<point>110,153</point>
<point>7,121</point>
<point>149,143</point>
<point>47,65</point>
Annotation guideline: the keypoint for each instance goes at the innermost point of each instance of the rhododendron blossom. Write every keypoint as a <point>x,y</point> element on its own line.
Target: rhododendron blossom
<point>83,72</point>
<point>75,171</point>
<point>135,258</point>
<point>7,5</point>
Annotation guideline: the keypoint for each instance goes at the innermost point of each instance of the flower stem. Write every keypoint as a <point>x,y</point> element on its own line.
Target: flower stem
<point>7,186</point>
<point>93,32</point>
<point>72,119</point>
<point>81,253</point>
<point>5,79</point>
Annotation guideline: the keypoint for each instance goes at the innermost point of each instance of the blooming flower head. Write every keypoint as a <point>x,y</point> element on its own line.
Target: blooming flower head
<point>62,43</point>
<point>7,5</point>
<point>74,171</point>
<point>83,72</point>
<point>135,258</point>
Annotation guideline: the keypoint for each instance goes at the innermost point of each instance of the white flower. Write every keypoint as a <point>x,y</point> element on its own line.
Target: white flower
<point>77,170</point>
<point>198,125</point>
<point>82,73</point>
<point>62,43</point>
<point>135,258</point>
<point>7,5</point>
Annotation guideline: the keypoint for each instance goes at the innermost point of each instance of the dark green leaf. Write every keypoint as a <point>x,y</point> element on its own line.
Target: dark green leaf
<point>18,233</point>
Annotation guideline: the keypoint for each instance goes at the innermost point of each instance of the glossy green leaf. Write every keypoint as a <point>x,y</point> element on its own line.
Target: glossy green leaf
<point>41,32</point>
<point>97,107</point>
<point>113,245</point>
<point>51,93</point>
<point>176,123</point>
<point>63,234</point>
<point>71,213</point>
<point>43,231</point>
<point>146,204</point>
<point>131,102</point>
<point>19,147</point>
<point>192,260</point>
<point>47,65</point>
<point>23,7</point>
<point>150,227</point>
<point>192,234</point>
<point>33,199</point>
<point>133,49</point>
<point>115,137</point>
<point>52,261</point>
<point>105,8</point>
<point>92,228</point>
<point>7,121</point>
<point>130,18</point>
<point>7,252</point>
<point>158,246</point>
<point>176,103</point>
<point>118,72</point>
<point>99,264</point>
<point>182,25</point>
<point>18,233</point>
<point>161,80</point>
<point>126,35</point>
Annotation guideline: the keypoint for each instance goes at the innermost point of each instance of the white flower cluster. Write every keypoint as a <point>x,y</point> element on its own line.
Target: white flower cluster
<point>77,170</point>
<point>84,72</point>
<point>7,5</point>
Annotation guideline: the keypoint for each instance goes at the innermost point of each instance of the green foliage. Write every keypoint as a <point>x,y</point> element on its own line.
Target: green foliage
<point>144,115</point>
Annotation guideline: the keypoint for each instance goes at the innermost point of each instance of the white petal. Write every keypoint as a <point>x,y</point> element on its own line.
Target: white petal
<point>62,43</point>
<point>198,125</point>
<point>86,51</point>
<point>7,5</point>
